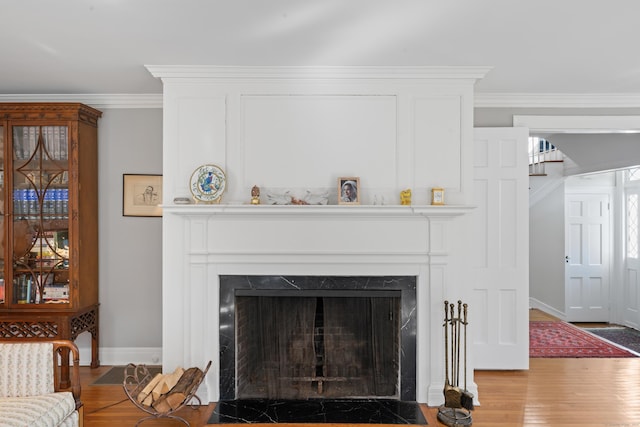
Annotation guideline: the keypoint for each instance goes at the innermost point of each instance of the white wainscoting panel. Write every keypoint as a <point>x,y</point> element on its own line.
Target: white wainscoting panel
<point>201,127</point>
<point>309,141</point>
<point>437,142</point>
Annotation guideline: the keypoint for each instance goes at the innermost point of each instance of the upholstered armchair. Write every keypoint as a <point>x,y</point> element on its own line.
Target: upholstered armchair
<point>30,393</point>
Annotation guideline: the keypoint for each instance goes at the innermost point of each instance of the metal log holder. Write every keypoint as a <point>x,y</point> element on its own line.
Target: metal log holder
<point>136,378</point>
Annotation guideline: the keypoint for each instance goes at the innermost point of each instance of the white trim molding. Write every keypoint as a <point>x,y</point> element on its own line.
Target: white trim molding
<point>556,100</point>
<point>100,101</point>
<point>481,100</point>
<point>579,124</point>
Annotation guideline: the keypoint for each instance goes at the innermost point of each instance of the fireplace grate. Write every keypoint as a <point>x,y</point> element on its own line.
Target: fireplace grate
<point>313,347</point>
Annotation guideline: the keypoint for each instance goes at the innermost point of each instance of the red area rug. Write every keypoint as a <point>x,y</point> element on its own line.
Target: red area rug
<point>560,339</point>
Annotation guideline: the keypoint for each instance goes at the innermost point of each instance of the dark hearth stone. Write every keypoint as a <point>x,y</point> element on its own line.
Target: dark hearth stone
<point>342,411</point>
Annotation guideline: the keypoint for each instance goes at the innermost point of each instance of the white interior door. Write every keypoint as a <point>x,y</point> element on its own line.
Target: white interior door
<point>500,249</point>
<point>587,257</point>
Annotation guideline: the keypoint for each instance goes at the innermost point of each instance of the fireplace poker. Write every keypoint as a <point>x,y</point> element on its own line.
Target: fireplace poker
<point>453,345</point>
<point>466,399</point>
<point>446,344</point>
<point>458,320</point>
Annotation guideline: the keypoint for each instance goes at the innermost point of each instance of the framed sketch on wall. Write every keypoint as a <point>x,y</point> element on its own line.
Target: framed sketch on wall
<point>348,191</point>
<point>141,195</point>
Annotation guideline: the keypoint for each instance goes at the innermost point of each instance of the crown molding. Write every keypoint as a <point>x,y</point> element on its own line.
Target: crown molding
<point>482,99</point>
<point>578,124</point>
<point>100,101</point>
<point>316,72</point>
<point>556,100</point>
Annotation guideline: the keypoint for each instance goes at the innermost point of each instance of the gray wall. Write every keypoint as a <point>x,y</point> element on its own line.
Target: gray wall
<point>130,141</point>
<point>546,250</point>
<point>503,117</point>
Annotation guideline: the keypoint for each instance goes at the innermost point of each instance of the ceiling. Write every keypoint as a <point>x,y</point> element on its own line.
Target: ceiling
<point>102,46</point>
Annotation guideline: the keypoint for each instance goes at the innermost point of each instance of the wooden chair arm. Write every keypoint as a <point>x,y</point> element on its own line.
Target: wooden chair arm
<point>61,348</point>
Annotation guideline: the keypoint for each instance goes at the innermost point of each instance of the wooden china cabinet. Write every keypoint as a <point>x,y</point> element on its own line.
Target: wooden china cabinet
<point>49,222</point>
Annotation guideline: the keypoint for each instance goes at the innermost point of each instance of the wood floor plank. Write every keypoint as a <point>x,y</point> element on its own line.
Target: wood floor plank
<point>553,392</point>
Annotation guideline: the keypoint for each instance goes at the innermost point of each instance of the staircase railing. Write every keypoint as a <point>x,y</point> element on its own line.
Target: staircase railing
<point>540,152</point>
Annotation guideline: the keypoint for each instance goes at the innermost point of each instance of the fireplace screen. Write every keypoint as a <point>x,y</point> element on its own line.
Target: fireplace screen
<point>329,346</point>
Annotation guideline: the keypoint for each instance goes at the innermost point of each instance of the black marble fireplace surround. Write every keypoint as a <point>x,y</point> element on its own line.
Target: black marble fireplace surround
<point>363,411</point>
<point>232,285</point>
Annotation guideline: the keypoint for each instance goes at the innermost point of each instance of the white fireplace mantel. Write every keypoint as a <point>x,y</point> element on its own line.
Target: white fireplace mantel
<point>207,241</point>
<point>436,211</point>
<point>288,128</point>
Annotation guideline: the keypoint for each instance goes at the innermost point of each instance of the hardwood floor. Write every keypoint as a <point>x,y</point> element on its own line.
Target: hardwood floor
<point>553,392</point>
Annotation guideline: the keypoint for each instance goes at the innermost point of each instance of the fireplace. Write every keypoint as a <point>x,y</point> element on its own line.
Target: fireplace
<point>223,253</point>
<point>301,337</point>
<point>299,129</point>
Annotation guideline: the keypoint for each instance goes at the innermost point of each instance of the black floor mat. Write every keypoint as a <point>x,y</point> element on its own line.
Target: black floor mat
<point>342,411</point>
<point>115,375</point>
<point>626,337</point>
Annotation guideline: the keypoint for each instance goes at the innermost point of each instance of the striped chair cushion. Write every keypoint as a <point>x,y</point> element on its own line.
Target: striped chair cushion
<point>48,410</point>
<point>27,369</point>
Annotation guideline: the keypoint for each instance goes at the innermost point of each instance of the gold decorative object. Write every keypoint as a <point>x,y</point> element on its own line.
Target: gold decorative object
<point>405,197</point>
<point>458,401</point>
<point>437,196</point>
<point>255,195</point>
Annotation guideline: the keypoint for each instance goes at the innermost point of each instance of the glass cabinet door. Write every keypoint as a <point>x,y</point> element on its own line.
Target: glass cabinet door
<point>40,226</point>
<point>2,208</point>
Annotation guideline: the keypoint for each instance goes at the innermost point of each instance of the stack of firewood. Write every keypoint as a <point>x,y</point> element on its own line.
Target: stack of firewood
<point>166,392</point>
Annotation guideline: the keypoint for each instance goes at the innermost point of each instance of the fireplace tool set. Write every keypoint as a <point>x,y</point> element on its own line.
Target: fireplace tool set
<point>458,401</point>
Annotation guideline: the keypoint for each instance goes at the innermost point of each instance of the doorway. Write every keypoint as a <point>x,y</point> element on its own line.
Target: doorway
<point>587,245</point>
<point>549,299</point>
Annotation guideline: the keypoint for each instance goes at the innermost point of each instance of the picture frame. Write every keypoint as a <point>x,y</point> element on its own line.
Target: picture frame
<point>437,196</point>
<point>141,195</point>
<point>349,190</point>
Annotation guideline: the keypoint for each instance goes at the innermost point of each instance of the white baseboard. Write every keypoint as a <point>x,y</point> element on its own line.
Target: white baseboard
<point>534,303</point>
<point>112,356</point>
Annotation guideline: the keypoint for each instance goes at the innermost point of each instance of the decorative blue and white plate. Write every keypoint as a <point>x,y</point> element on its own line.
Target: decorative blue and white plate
<point>208,182</point>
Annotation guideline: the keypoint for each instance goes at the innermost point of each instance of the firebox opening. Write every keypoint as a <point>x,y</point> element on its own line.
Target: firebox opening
<point>318,344</point>
<point>236,322</point>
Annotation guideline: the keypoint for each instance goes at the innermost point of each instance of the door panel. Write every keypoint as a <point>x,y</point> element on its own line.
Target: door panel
<point>587,262</point>
<point>500,251</point>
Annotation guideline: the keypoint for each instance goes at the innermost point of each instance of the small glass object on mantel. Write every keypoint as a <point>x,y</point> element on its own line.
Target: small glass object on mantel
<point>437,196</point>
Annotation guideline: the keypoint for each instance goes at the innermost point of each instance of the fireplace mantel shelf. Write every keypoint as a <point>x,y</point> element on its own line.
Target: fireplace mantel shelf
<point>444,211</point>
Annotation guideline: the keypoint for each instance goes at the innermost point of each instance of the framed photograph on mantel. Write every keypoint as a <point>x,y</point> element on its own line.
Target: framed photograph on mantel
<point>141,195</point>
<point>349,191</point>
<point>437,196</point>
